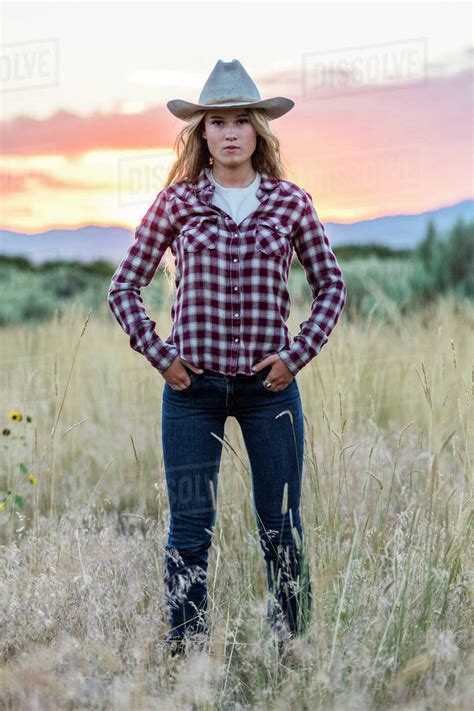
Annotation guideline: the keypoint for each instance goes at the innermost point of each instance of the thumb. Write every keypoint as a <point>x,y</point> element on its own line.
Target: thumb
<point>260,365</point>
<point>191,367</point>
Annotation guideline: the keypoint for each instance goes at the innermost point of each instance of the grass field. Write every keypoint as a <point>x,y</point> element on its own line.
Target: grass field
<point>386,508</point>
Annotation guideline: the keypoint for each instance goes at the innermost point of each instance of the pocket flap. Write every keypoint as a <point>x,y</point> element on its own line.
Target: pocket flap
<point>273,235</point>
<point>199,233</point>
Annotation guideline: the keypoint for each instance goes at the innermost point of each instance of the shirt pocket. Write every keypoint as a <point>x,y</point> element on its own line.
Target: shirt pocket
<point>199,233</point>
<point>273,236</point>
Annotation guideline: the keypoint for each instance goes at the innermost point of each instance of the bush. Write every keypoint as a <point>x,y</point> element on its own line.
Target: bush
<point>446,262</point>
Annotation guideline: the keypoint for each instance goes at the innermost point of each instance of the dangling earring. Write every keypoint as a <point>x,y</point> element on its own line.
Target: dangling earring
<point>211,160</point>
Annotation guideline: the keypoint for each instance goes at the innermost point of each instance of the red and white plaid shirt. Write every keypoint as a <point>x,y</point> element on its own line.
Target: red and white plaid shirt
<point>231,300</point>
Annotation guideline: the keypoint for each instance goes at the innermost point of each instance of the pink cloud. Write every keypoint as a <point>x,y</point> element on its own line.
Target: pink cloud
<point>71,135</point>
<point>438,110</point>
<point>359,154</point>
<point>17,183</point>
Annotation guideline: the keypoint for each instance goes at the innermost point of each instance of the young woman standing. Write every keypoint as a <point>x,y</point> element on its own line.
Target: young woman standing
<point>232,223</point>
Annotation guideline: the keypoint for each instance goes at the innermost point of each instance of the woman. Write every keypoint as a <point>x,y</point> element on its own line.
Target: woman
<point>231,222</point>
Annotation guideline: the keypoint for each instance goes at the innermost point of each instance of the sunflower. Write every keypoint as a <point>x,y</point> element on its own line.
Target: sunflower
<point>15,416</point>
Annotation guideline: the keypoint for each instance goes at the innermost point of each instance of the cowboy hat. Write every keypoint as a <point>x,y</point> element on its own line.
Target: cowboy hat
<point>230,85</point>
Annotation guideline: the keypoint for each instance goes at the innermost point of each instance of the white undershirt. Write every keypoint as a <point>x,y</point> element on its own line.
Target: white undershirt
<point>237,202</point>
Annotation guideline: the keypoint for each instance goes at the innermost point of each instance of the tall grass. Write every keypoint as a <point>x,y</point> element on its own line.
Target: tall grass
<point>386,509</point>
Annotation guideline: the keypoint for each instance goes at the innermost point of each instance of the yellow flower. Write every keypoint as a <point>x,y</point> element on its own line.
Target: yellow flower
<point>15,416</point>
<point>32,478</point>
<point>2,505</point>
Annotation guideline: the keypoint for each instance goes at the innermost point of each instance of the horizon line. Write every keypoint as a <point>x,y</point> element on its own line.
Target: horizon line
<point>324,221</point>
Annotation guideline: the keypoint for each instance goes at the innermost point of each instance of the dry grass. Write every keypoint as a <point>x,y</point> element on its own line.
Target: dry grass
<point>386,510</point>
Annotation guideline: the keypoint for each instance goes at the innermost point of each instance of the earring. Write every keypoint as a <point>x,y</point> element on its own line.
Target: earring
<point>211,160</point>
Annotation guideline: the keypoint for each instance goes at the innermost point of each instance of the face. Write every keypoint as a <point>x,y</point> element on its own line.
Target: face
<point>228,127</point>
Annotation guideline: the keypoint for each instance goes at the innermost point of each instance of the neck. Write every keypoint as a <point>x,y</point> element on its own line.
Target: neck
<point>234,177</point>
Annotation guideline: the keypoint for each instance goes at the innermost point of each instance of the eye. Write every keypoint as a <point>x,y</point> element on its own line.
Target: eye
<point>217,121</point>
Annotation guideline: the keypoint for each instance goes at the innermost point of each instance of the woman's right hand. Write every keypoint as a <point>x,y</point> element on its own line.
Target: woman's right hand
<point>176,374</point>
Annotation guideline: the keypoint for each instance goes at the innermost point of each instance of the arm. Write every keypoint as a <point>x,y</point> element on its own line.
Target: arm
<point>135,271</point>
<point>328,289</point>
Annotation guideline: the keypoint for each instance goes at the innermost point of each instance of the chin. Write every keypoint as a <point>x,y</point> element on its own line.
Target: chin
<point>233,159</point>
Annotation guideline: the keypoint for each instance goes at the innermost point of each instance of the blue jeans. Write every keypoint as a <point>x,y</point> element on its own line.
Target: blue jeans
<point>274,440</point>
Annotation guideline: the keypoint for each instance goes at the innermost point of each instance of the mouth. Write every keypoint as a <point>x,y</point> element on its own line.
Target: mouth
<point>231,148</point>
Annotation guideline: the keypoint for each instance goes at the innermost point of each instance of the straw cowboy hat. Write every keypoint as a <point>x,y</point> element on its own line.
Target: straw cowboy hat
<point>229,85</point>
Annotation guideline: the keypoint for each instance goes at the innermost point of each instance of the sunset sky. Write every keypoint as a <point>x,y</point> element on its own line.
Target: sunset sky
<point>382,122</point>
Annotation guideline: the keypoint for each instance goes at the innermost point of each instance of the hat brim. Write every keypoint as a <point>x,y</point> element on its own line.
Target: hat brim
<point>275,107</point>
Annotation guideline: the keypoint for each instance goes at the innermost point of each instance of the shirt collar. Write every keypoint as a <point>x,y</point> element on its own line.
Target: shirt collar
<point>203,187</point>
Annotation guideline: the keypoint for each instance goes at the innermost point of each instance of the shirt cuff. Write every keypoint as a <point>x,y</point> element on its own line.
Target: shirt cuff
<point>295,357</point>
<point>160,354</point>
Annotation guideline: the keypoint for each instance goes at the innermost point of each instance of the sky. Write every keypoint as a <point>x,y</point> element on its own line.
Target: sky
<point>382,122</point>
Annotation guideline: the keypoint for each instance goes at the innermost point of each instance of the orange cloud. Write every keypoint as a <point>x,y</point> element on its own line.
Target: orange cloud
<point>71,135</point>
<point>14,183</point>
<point>314,127</point>
<point>362,154</point>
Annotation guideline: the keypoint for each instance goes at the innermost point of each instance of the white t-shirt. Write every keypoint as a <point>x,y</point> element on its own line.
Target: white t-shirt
<point>237,202</point>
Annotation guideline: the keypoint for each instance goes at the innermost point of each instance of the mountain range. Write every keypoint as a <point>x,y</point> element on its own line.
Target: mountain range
<point>94,242</point>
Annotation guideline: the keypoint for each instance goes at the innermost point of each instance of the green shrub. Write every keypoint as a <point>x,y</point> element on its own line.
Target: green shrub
<point>446,262</point>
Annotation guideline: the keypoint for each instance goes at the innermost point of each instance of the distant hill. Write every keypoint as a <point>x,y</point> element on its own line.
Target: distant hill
<point>399,231</point>
<point>88,244</point>
<point>85,244</point>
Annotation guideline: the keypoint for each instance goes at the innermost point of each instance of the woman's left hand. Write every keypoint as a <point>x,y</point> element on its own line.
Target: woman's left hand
<point>279,376</point>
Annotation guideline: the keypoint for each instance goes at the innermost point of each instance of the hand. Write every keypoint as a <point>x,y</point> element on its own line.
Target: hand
<point>176,374</point>
<point>279,376</point>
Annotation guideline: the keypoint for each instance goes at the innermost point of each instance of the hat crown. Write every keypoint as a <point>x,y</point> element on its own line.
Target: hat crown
<point>229,85</point>
<point>229,82</point>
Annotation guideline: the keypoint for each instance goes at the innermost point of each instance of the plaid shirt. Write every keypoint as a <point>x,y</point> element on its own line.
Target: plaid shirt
<point>231,300</point>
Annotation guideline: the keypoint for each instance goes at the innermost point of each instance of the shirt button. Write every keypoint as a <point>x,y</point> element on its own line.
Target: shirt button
<point>236,235</point>
<point>236,339</point>
<point>235,259</point>
<point>236,315</point>
<point>236,288</point>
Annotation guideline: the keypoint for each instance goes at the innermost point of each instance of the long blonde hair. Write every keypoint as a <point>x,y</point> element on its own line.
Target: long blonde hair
<point>193,155</point>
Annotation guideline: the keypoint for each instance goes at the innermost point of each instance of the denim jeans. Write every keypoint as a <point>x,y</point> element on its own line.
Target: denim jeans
<point>272,429</point>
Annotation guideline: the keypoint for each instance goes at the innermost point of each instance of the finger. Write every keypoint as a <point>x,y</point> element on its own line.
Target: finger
<point>180,384</point>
